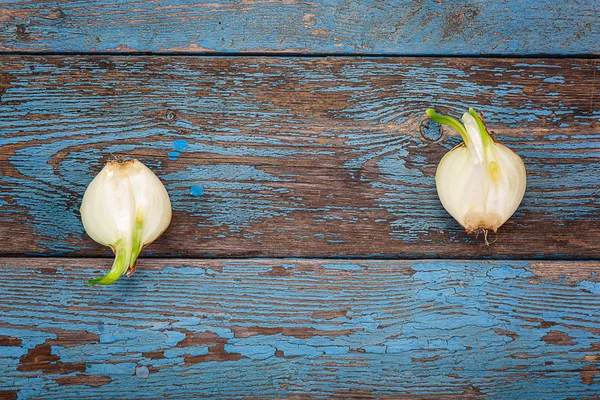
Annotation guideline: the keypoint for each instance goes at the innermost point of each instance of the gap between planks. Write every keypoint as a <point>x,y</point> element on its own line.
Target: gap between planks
<point>283,54</point>
<point>71,257</point>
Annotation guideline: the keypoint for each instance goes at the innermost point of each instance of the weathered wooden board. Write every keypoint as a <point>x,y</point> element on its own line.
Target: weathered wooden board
<point>280,328</point>
<point>296,157</point>
<point>464,27</point>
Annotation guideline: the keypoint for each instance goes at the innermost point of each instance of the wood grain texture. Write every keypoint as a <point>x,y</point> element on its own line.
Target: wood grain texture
<point>296,157</point>
<point>305,328</point>
<point>462,27</point>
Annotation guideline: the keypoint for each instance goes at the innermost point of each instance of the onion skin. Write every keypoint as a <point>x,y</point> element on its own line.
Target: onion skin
<point>125,207</point>
<point>480,182</point>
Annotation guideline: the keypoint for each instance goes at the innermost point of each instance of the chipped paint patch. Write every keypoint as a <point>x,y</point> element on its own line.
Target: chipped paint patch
<point>377,322</point>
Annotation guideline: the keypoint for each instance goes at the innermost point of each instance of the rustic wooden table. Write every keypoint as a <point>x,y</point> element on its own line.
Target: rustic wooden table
<point>309,255</point>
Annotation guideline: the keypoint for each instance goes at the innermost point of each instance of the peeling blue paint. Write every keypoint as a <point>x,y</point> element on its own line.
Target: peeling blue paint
<point>62,137</point>
<point>451,317</point>
<point>555,79</point>
<point>344,267</point>
<point>592,287</point>
<point>519,27</point>
<point>174,337</point>
<point>112,338</point>
<point>111,369</point>
<point>254,202</point>
<point>508,272</point>
<point>258,352</point>
<point>183,270</point>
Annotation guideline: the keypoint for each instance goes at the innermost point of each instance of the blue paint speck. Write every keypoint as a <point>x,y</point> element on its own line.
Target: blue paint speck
<point>180,145</point>
<point>196,191</point>
<point>142,372</point>
<point>173,155</point>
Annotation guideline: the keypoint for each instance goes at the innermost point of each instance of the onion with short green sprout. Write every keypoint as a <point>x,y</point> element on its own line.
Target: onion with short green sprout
<point>480,182</point>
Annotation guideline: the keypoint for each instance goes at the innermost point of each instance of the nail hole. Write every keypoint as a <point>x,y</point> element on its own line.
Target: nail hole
<point>170,115</point>
<point>430,130</point>
<point>22,30</point>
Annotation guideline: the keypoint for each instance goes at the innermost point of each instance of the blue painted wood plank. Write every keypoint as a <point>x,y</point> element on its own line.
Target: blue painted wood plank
<point>284,328</point>
<point>463,27</point>
<point>293,157</point>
